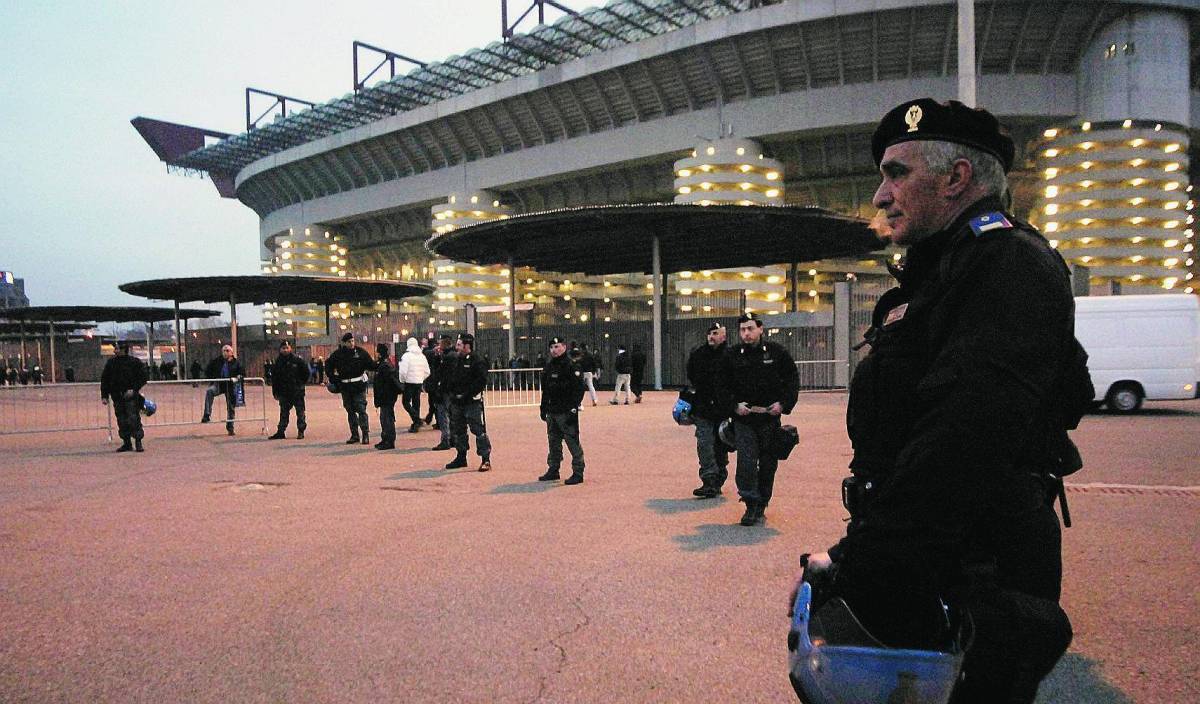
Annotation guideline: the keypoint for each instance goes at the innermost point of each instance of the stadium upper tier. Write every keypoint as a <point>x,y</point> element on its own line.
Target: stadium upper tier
<point>596,107</point>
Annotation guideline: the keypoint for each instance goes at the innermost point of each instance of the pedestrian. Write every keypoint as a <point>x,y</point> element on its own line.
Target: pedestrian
<point>321,371</point>
<point>196,371</point>
<point>759,383</point>
<point>121,382</point>
<point>413,371</point>
<point>37,374</point>
<point>348,367</point>
<point>562,392</point>
<point>227,373</point>
<point>623,367</point>
<point>587,366</point>
<point>432,358</point>
<point>637,371</point>
<point>287,386</point>
<point>958,416</point>
<point>435,386</point>
<point>703,373</point>
<point>386,387</point>
<point>466,378</point>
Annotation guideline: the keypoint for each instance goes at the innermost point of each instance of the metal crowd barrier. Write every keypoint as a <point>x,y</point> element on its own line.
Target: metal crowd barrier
<point>70,407</point>
<point>819,374</point>
<point>510,388</point>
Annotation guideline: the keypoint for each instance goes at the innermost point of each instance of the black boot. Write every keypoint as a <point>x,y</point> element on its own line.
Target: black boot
<point>752,515</point>
<point>550,476</point>
<point>575,478</point>
<point>353,440</point>
<point>300,435</point>
<point>137,446</point>
<point>442,446</point>
<point>125,447</point>
<point>458,462</point>
<point>708,490</point>
<point>277,436</point>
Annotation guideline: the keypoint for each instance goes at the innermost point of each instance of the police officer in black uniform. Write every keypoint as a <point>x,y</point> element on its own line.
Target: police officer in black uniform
<point>288,377</point>
<point>465,379</point>
<point>562,393</point>
<point>348,366</point>
<point>759,383</point>
<point>703,368</point>
<point>121,382</point>
<point>954,415</point>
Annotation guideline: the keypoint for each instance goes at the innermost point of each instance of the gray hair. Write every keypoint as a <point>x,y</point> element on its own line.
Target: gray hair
<point>987,170</point>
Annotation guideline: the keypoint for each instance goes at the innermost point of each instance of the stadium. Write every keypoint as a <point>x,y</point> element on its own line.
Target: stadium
<point>707,102</point>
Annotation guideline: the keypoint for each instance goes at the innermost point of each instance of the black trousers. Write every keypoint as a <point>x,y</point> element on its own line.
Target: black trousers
<point>755,475</point>
<point>354,400</point>
<point>286,404</point>
<point>411,400</point>
<point>387,422</point>
<point>563,427</point>
<point>129,417</point>
<point>469,415</point>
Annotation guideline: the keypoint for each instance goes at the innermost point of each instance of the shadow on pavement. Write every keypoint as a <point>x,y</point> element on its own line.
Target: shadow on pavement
<point>667,507</point>
<point>717,535</point>
<point>1077,679</point>
<point>534,487</point>
<point>421,474</point>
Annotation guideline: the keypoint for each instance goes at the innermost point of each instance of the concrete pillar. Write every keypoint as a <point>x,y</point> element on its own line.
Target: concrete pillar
<point>656,278</point>
<point>53,364</point>
<point>966,52</point>
<point>1080,280</point>
<point>512,309</point>
<point>233,323</point>
<point>841,332</point>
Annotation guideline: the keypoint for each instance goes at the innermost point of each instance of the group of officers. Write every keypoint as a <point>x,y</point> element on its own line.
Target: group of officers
<point>958,419</point>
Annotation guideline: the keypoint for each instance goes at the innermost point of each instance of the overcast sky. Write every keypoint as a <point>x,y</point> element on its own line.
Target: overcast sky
<point>85,204</point>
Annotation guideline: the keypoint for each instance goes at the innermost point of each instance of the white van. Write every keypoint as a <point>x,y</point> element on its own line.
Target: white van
<point>1140,347</point>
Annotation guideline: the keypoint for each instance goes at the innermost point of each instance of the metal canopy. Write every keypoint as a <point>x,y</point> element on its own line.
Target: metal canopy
<point>114,314</point>
<point>570,37</point>
<point>274,289</point>
<point>10,328</point>
<point>618,239</point>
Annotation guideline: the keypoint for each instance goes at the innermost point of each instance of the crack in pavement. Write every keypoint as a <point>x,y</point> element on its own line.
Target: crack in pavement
<point>543,681</point>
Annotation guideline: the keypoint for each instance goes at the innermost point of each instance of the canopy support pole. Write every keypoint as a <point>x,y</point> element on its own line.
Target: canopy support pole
<point>233,322</point>
<point>53,366</point>
<point>795,277</point>
<point>178,358</point>
<point>150,348</point>
<point>512,309</point>
<point>184,346</point>
<point>327,325</point>
<point>657,313</point>
<point>966,52</point>
<point>23,354</point>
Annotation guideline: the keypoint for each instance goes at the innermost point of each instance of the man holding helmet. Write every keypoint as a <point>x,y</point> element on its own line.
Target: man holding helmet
<point>703,368</point>
<point>121,381</point>
<point>956,418</point>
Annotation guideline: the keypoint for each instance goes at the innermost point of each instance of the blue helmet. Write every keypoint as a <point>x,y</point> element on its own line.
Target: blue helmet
<point>149,407</point>
<point>853,666</point>
<point>682,413</point>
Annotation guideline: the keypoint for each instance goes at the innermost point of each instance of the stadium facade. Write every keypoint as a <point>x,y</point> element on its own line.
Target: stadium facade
<point>720,101</point>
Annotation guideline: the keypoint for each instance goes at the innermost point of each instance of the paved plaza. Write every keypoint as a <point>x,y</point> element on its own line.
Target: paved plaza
<point>233,569</point>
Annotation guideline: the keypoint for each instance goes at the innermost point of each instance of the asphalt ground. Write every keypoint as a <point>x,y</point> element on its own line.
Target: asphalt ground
<point>234,569</point>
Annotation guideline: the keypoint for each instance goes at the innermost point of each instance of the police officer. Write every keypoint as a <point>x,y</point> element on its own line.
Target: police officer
<point>952,414</point>
<point>703,368</point>
<point>348,366</point>
<point>562,393</point>
<point>289,375</point>
<point>759,383</point>
<point>386,387</point>
<point>121,381</point>
<point>466,378</point>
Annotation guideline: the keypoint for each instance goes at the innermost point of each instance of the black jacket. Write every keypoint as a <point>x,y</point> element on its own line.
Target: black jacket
<point>349,363</point>
<point>562,386</point>
<point>622,365</point>
<point>637,364</point>
<point>213,371</point>
<point>465,376</point>
<point>386,384</point>
<point>122,373</point>
<point>963,373</point>
<point>703,370</point>
<point>289,376</point>
<point>757,375</point>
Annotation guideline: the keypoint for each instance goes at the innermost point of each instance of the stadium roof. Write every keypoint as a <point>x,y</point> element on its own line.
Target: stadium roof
<point>616,239</point>
<point>274,289</point>
<point>592,31</point>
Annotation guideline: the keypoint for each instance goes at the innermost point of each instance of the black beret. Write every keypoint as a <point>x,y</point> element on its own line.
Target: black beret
<point>348,337</point>
<point>927,119</point>
<point>715,326</point>
<point>556,341</point>
<point>467,339</point>
<point>747,317</point>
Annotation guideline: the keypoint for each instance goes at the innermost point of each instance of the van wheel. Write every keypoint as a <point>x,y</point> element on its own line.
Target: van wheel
<point>1124,398</point>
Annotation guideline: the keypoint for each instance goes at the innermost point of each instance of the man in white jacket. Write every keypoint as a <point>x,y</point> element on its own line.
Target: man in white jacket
<point>413,371</point>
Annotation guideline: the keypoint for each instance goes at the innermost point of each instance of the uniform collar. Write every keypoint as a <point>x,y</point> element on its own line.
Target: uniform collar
<point>923,257</point>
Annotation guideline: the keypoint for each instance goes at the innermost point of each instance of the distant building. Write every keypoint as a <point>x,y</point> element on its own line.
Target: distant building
<point>12,291</point>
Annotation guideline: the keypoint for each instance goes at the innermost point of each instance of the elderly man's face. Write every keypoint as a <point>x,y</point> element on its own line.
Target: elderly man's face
<point>911,196</point>
<point>558,349</point>
<point>227,352</point>
<point>716,337</point>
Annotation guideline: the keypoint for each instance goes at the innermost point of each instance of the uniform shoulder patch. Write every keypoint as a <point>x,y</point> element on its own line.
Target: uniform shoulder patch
<point>990,222</point>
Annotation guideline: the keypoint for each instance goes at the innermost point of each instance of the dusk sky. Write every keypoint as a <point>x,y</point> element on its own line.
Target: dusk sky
<point>86,205</point>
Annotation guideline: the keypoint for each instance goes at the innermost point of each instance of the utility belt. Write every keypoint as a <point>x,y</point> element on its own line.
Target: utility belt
<point>355,380</point>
